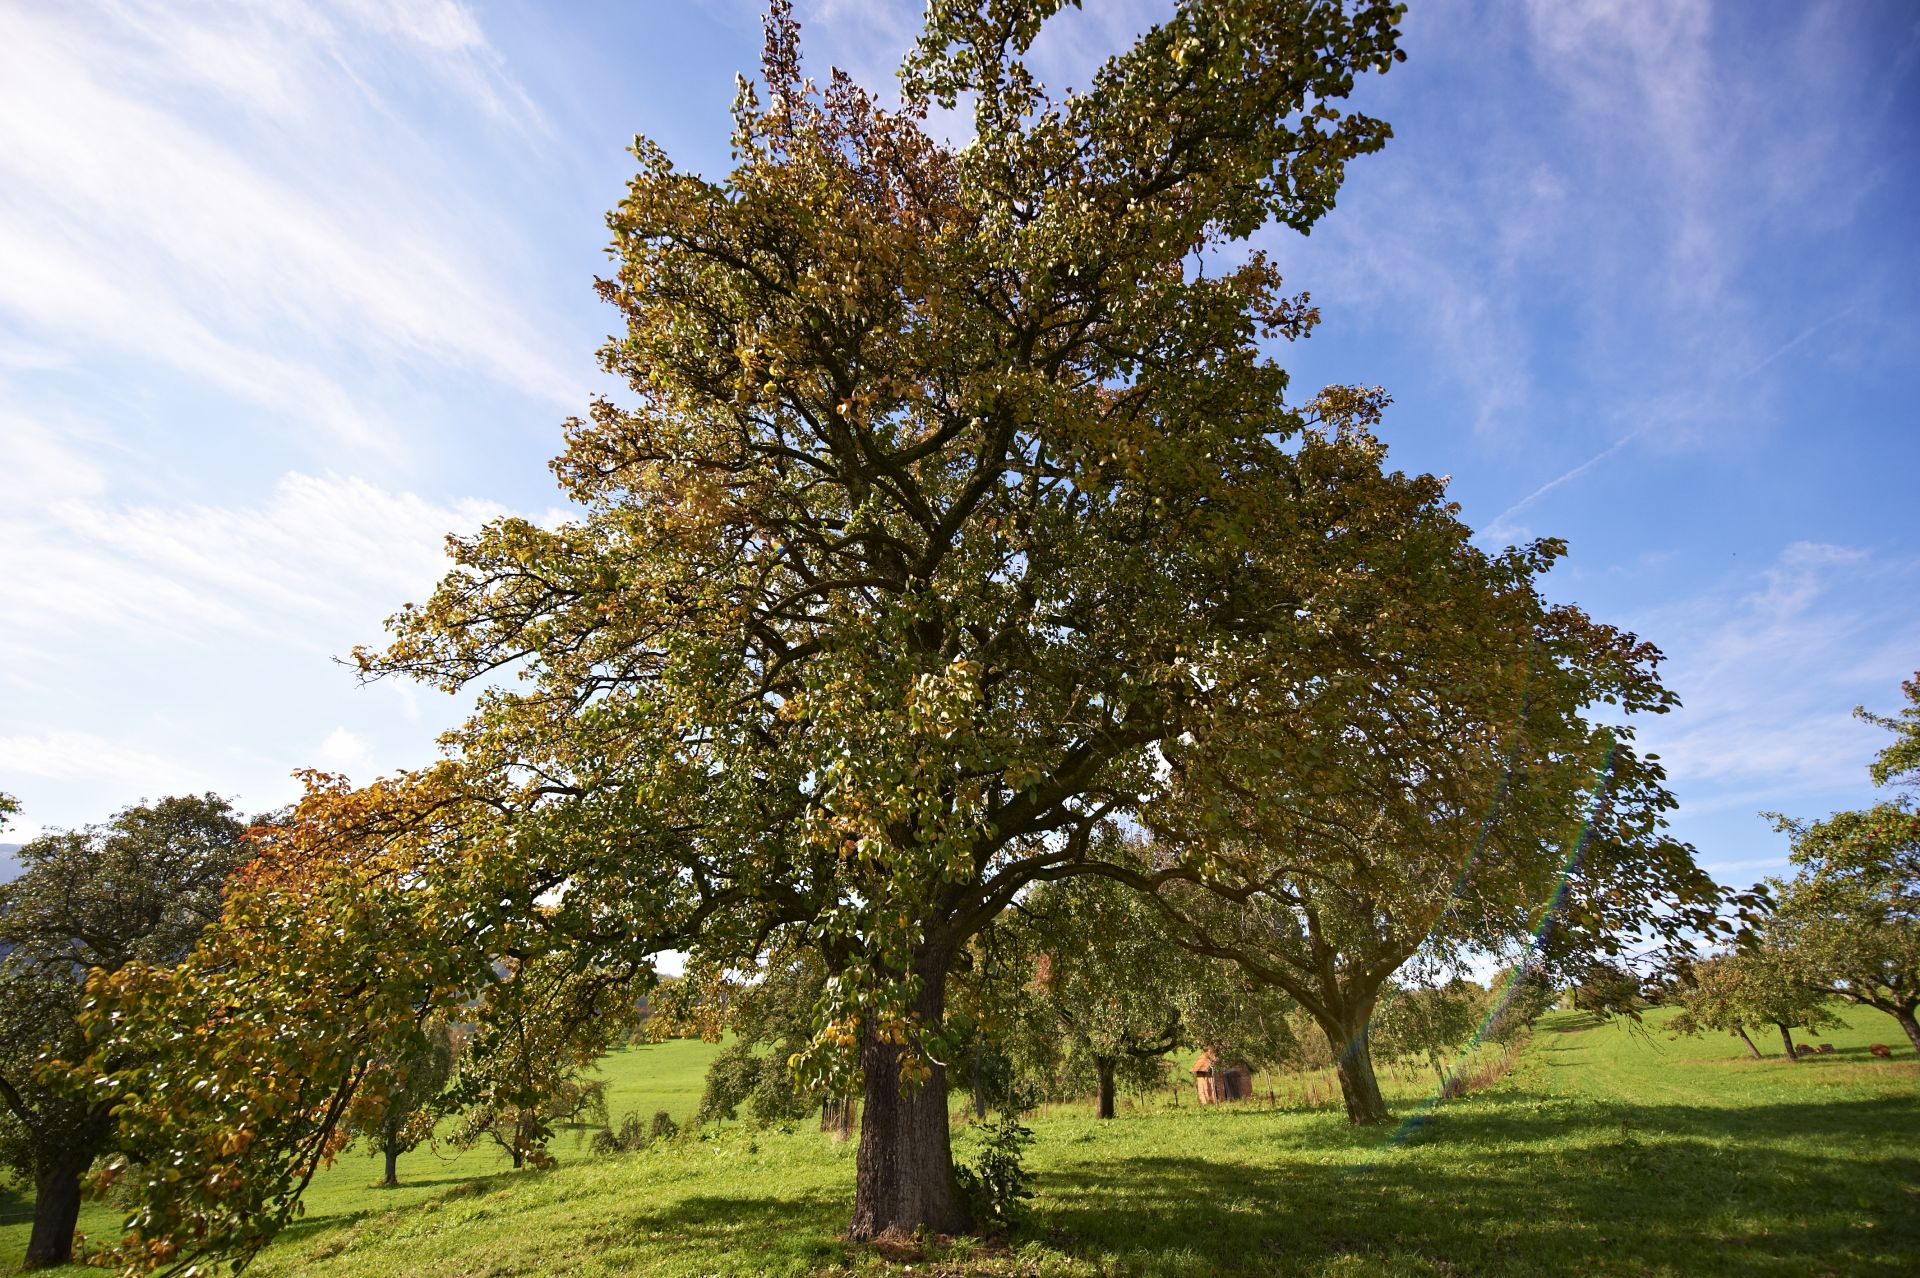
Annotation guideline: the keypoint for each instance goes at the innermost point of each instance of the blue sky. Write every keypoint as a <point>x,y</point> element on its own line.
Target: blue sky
<point>288,290</point>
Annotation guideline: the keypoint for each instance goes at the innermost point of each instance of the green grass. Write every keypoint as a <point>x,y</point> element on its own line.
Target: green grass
<point>1609,1150</point>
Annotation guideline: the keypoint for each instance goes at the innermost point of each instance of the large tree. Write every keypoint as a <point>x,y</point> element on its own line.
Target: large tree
<point>952,486</point>
<point>942,469</point>
<point>138,888</point>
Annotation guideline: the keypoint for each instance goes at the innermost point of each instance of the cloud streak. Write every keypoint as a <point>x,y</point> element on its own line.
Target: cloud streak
<point>253,252</point>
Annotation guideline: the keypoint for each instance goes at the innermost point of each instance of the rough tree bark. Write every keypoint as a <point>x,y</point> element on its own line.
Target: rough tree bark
<point>1910,1025</point>
<point>903,1180</point>
<point>56,1209</point>
<point>1103,1066</point>
<point>1353,1056</point>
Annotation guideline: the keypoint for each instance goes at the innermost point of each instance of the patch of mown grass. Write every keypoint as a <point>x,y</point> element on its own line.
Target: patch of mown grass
<point>1611,1149</point>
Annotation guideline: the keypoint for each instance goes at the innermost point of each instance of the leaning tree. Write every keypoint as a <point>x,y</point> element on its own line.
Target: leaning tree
<point>952,485</point>
<point>137,889</point>
<point>1446,786</point>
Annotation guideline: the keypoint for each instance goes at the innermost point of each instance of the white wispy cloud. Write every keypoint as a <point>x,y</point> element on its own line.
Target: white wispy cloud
<point>1769,668</point>
<point>221,190</point>
<point>319,558</point>
<point>73,756</point>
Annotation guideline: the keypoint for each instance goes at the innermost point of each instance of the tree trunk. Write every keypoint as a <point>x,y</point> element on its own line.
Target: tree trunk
<point>1911,1026</point>
<point>1354,1063</point>
<point>1786,1037</point>
<point>519,1158</point>
<point>903,1180</point>
<point>1103,1065</point>
<point>56,1209</point>
<point>1741,1031</point>
<point>836,1116</point>
<point>393,1167</point>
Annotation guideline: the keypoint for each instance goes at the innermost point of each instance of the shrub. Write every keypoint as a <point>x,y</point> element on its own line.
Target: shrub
<point>995,1181</point>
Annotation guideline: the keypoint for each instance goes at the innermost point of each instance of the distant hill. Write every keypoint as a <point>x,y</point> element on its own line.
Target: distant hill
<point>8,866</point>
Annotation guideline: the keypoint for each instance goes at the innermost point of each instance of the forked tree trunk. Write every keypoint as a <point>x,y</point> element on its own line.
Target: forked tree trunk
<point>1786,1037</point>
<point>1741,1031</point>
<point>1103,1066</point>
<point>903,1179</point>
<point>1353,1056</point>
<point>56,1209</point>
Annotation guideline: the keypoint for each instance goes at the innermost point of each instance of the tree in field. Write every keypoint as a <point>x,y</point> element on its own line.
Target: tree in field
<point>1848,921</point>
<point>772,1020</point>
<point>949,493</point>
<point>537,1029</point>
<point>1740,990</point>
<point>136,889</point>
<point>395,1110</point>
<point>1444,789</point>
<point>1430,1022</point>
<point>1518,997</point>
<point>943,469</point>
<point>1110,980</point>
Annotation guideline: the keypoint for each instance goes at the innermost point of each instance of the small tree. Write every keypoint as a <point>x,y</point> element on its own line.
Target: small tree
<point>1430,1022</point>
<point>1108,977</point>
<point>138,888</point>
<point>539,1026</point>
<point>772,1019</point>
<point>1743,989</point>
<point>1848,921</point>
<point>1519,996</point>
<point>395,1110</point>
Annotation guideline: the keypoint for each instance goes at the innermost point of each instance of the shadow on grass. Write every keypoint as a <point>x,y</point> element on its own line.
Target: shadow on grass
<point>738,1235</point>
<point>460,1187</point>
<point>1521,1189</point>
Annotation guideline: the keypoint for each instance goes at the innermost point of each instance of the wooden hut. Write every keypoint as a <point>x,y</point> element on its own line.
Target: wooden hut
<point>1219,1081</point>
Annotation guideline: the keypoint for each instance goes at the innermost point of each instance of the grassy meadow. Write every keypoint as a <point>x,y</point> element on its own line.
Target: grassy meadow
<point>1608,1149</point>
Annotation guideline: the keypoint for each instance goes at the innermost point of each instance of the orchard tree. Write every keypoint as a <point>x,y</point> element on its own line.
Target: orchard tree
<point>1848,921</point>
<point>1444,788</point>
<point>1432,1022</point>
<point>1711,998</point>
<point>943,471</point>
<point>772,1019</point>
<point>395,1109</point>
<point>538,1028</point>
<point>1747,988</point>
<point>1108,976</point>
<point>951,489</point>
<point>137,889</point>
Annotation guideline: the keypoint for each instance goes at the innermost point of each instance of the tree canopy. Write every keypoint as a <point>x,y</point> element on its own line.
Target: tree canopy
<point>955,508</point>
<point>1848,920</point>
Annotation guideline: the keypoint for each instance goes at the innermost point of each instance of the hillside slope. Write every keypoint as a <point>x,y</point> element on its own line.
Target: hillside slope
<point>1610,1150</point>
